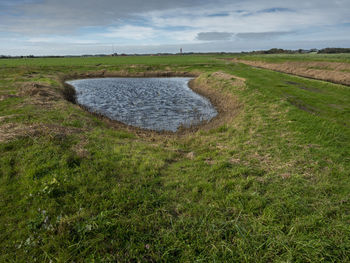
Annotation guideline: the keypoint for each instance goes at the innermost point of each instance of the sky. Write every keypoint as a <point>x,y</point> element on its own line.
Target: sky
<point>75,27</point>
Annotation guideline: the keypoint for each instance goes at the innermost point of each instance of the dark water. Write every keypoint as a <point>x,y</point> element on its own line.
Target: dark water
<point>149,103</point>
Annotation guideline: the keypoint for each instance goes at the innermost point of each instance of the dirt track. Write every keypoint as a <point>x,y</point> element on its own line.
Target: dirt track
<point>328,71</point>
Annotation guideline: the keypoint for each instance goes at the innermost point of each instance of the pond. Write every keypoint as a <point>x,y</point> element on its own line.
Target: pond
<point>161,104</point>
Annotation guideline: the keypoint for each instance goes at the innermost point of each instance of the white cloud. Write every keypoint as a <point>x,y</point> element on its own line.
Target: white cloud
<point>59,39</point>
<point>131,32</point>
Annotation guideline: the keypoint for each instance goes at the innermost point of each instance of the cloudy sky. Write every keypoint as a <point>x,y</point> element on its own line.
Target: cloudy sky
<point>62,27</point>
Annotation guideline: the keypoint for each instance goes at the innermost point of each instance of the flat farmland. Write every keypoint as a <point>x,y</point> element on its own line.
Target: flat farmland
<point>266,181</point>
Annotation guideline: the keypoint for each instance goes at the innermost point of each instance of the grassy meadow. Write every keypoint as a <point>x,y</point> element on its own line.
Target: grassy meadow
<point>310,57</point>
<point>271,184</point>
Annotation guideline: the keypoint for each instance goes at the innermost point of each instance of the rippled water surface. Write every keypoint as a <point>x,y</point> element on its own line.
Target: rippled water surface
<point>149,103</point>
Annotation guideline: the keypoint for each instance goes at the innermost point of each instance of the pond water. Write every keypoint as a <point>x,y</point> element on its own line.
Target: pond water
<point>161,104</point>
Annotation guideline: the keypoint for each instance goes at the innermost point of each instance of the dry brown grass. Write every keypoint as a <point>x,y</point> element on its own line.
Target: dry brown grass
<point>43,97</point>
<point>38,94</point>
<point>6,96</point>
<point>234,80</point>
<point>38,90</point>
<point>10,131</point>
<point>213,88</point>
<point>328,71</point>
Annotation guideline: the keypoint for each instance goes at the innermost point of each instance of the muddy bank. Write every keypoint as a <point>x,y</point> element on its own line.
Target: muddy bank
<point>212,86</point>
<point>124,73</point>
<point>334,72</point>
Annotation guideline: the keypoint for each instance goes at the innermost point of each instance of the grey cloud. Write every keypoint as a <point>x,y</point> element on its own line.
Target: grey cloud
<point>37,17</point>
<point>223,14</point>
<point>52,16</point>
<point>214,36</point>
<point>269,10</point>
<point>275,10</point>
<point>221,36</point>
<point>261,35</point>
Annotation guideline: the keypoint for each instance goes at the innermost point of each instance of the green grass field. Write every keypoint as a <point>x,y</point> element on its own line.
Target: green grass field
<point>271,185</point>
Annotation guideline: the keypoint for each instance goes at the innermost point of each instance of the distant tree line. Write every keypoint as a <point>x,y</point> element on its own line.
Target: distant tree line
<point>300,51</point>
<point>258,52</point>
<point>281,51</point>
<point>333,50</point>
<point>30,56</point>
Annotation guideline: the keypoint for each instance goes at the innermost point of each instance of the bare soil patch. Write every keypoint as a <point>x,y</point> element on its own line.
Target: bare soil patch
<point>328,71</point>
